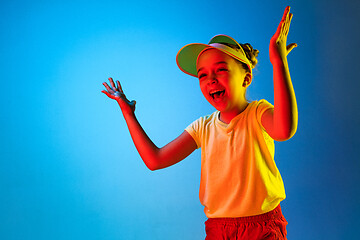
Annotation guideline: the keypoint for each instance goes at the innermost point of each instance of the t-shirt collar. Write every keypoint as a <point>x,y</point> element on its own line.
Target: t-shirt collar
<point>230,126</point>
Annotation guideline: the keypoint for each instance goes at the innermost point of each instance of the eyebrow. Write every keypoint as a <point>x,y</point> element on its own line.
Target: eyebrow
<point>215,63</point>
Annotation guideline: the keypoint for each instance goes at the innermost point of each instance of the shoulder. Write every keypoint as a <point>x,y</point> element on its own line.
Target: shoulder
<point>262,103</point>
<point>196,128</point>
<point>258,107</point>
<point>201,122</point>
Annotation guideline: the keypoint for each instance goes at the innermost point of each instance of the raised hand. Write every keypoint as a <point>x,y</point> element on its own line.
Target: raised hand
<point>117,94</point>
<point>278,49</point>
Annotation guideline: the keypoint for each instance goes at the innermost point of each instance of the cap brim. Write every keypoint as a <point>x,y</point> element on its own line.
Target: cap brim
<point>187,56</point>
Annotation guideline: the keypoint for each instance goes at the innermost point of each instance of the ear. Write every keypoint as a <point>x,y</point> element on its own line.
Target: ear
<point>247,80</point>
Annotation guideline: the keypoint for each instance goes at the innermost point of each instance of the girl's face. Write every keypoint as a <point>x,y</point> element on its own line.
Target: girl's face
<point>223,81</point>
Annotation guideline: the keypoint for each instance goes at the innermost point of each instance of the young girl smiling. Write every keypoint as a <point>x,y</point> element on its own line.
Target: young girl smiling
<point>241,187</point>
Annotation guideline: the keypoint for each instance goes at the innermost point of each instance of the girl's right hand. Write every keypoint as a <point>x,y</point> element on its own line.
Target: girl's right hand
<point>278,43</point>
<point>117,94</point>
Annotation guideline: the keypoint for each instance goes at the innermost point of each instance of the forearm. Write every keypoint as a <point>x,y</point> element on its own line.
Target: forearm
<point>148,151</point>
<point>285,106</point>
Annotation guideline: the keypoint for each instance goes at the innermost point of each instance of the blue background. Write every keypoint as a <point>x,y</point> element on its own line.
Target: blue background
<point>68,167</point>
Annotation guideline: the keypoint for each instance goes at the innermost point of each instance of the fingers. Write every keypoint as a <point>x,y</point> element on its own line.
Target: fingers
<point>286,24</point>
<point>285,16</point>
<point>280,29</point>
<point>107,87</point>
<point>119,86</point>
<point>289,22</point>
<point>107,94</point>
<point>113,91</point>
<point>114,88</point>
<point>112,84</point>
<point>291,47</point>
<point>286,12</point>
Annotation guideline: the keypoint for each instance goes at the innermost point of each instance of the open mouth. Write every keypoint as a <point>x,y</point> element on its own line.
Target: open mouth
<point>217,94</point>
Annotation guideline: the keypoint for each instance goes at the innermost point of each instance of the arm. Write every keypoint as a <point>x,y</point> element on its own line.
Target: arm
<point>281,122</point>
<point>153,157</point>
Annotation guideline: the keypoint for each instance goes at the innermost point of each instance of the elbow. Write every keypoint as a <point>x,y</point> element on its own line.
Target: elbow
<point>285,135</point>
<point>151,160</point>
<point>152,167</point>
<point>282,138</point>
<point>152,164</point>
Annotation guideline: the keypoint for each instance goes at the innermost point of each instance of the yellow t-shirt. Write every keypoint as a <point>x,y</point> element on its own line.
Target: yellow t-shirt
<point>239,176</point>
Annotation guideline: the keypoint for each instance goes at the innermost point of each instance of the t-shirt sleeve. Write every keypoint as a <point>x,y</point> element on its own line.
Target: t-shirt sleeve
<point>262,106</point>
<point>194,130</point>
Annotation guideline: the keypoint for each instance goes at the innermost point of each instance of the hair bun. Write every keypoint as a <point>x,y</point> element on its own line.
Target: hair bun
<point>251,53</point>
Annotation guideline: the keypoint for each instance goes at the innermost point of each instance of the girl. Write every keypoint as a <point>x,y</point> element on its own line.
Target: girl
<point>241,187</point>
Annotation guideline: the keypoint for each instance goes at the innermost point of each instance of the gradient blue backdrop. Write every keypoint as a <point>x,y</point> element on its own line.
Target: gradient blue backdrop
<point>68,167</point>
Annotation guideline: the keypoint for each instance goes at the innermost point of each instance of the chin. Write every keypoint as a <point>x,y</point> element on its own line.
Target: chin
<point>220,106</point>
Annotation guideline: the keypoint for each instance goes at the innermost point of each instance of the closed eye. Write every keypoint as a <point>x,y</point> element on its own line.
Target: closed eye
<point>222,69</point>
<point>202,75</point>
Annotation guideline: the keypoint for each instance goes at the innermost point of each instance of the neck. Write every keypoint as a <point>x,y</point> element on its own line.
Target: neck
<point>227,116</point>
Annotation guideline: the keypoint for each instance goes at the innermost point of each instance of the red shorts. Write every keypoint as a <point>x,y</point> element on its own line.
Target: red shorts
<point>267,226</point>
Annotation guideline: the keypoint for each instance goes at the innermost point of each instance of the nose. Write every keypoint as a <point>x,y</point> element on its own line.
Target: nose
<point>212,78</point>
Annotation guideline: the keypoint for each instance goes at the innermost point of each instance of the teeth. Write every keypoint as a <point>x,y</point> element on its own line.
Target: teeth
<point>215,91</point>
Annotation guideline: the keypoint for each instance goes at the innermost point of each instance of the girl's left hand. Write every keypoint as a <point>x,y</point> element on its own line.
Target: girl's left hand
<point>278,49</point>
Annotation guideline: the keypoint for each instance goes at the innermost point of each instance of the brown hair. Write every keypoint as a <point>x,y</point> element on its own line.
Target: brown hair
<point>250,52</point>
